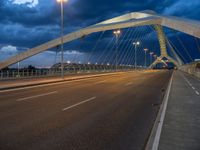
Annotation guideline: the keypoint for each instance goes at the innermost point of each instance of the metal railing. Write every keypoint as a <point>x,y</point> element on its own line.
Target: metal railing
<point>36,73</point>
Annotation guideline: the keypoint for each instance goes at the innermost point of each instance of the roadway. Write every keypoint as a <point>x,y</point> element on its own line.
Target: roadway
<point>102,113</point>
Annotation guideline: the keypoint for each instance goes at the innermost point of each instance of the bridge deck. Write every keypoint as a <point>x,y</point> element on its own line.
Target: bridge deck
<point>181,128</point>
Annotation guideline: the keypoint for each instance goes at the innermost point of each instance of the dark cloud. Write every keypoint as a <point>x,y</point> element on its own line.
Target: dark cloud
<point>26,27</point>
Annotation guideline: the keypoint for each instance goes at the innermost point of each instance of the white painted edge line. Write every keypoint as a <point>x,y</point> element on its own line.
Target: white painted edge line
<point>162,117</point>
<point>36,96</point>
<point>100,82</point>
<point>82,102</point>
<point>64,82</point>
<point>43,85</point>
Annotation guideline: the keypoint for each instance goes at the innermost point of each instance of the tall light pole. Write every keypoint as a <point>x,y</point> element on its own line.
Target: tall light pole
<point>155,56</point>
<point>116,33</point>
<point>145,57</point>
<point>136,44</point>
<point>151,54</point>
<point>62,33</point>
<point>18,67</point>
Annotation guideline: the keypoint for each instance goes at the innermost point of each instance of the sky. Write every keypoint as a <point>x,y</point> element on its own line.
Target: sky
<point>27,23</point>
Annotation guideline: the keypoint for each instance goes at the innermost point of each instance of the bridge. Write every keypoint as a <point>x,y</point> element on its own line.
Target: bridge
<point>116,99</point>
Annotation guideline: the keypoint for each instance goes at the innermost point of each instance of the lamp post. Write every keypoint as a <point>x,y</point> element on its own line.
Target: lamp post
<point>18,67</point>
<point>145,57</point>
<point>151,54</point>
<point>116,33</point>
<point>155,56</point>
<point>62,30</point>
<point>136,44</point>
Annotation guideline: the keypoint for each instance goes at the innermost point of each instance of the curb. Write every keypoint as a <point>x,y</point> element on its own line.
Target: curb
<point>56,81</point>
<point>154,138</point>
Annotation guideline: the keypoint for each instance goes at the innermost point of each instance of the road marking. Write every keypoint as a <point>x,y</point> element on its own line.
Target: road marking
<point>44,85</point>
<point>191,85</point>
<point>63,82</point>
<point>90,99</point>
<point>101,82</point>
<point>197,92</point>
<point>130,83</point>
<point>162,117</point>
<point>36,96</point>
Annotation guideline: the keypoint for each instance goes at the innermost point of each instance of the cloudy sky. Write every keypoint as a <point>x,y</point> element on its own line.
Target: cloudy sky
<point>28,23</point>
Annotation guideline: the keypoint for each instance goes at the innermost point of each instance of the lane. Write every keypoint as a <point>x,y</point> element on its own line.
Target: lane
<point>108,115</point>
<point>193,82</point>
<point>65,94</point>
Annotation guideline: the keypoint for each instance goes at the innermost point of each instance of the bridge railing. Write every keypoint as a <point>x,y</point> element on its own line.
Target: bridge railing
<point>192,68</point>
<point>37,73</point>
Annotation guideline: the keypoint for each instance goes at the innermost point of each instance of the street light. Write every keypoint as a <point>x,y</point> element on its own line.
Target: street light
<point>155,56</point>
<point>62,30</point>
<point>116,33</point>
<point>151,54</point>
<point>136,44</point>
<point>145,50</point>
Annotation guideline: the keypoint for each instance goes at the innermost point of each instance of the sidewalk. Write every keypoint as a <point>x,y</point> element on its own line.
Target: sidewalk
<point>181,127</point>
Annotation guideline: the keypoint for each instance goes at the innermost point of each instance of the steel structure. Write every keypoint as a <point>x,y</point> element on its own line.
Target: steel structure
<point>134,19</point>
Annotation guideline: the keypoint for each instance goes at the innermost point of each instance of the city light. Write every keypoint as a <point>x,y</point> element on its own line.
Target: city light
<point>136,43</point>
<point>117,32</point>
<point>151,53</point>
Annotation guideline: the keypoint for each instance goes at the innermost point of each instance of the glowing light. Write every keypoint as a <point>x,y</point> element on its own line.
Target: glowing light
<point>62,1</point>
<point>136,43</point>
<point>117,32</point>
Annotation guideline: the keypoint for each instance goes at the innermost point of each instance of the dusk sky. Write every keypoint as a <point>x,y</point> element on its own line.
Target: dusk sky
<point>28,23</point>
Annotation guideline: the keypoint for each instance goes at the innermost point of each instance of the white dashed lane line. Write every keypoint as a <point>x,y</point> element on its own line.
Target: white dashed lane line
<point>36,96</point>
<point>77,104</point>
<point>190,84</point>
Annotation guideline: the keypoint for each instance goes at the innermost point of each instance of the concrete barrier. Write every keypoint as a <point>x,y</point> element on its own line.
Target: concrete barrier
<point>192,69</point>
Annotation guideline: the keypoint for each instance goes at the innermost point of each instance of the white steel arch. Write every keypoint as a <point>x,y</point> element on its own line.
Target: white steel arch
<point>134,19</point>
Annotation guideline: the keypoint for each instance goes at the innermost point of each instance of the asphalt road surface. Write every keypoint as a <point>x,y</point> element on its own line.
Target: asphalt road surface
<point>114,112</point>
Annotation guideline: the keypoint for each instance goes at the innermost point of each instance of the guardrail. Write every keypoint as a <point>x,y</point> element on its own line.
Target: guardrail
<point>192,68</point>
<point>36,73</point>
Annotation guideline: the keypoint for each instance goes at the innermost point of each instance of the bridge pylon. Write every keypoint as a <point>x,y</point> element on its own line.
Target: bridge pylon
<point>163,48</point>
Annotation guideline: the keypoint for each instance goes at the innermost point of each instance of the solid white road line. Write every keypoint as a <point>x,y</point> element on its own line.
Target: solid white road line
<point>162,117</point>
<point>44,85</point>
<point>90,99</point>
<point>36,96</point>
<point>64,82</point>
